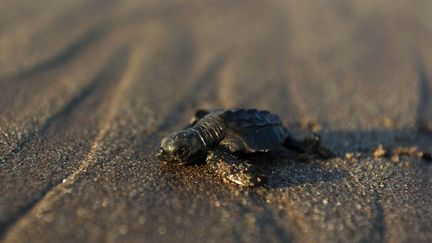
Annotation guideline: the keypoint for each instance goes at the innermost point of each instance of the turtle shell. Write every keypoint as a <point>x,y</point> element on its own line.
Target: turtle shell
<point>251,130</point>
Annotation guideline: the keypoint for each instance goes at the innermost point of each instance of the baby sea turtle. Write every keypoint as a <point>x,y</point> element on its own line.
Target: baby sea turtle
<point>223,137</point>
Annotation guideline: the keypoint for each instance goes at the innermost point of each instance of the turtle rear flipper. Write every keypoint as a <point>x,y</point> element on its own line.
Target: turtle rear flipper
<point>234,170</point>
<point>308,145</point>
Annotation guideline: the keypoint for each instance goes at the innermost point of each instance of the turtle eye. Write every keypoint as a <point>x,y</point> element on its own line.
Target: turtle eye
<point>181,152</point>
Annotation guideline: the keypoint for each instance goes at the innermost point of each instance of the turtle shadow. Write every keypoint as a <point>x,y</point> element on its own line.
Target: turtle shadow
<point>343,141</point>
<point>284,168</point>
<point>287,170</point>
<point>293,173</point>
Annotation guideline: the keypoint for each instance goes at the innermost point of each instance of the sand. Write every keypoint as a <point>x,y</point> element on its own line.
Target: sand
<point>87,90</point>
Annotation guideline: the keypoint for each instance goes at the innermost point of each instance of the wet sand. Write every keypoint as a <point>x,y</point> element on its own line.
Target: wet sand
<point>87,90</point>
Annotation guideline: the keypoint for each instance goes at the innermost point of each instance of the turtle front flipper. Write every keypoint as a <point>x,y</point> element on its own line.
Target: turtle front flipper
<point>199,114</point>
<point>234,170</point>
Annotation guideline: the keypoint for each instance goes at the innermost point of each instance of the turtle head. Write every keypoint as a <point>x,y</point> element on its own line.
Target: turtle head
<point>184,147</point>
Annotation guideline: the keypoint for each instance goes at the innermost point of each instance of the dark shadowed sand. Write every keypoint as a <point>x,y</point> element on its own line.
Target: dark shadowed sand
<point>87,90</point>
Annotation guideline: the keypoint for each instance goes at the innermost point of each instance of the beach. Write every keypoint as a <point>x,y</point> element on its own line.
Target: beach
<point>89,89</point>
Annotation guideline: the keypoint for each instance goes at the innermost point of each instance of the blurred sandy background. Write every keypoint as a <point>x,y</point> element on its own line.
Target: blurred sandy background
<point>88,89</point>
